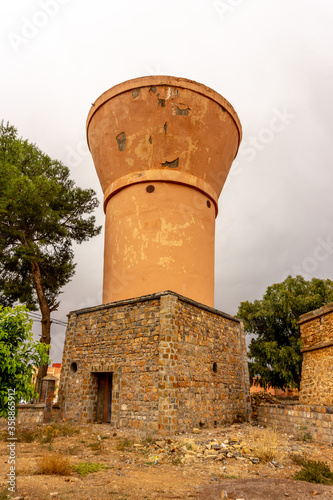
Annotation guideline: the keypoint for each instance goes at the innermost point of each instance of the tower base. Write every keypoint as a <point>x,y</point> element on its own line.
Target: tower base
<point>160,363</point>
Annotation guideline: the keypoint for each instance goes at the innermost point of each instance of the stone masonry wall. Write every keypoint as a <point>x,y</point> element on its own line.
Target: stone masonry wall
<point>317,347</point>
<point>300,420</point>
<point>175,364</point>
<point>28,414</point>
<point>123,340</point>
<point>212,373</point>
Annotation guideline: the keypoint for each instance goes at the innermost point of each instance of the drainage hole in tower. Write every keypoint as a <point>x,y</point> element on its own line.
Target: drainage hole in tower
<point>150,188</point>
<point>208,203</point>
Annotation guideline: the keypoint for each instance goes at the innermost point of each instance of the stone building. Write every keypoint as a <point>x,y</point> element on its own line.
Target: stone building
<point>151,358</point>
<point>317,347</point>
<point>162,362</point>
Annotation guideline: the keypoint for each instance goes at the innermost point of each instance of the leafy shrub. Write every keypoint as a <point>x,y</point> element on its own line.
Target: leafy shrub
<point>85,468</point>
<point>313,471</point>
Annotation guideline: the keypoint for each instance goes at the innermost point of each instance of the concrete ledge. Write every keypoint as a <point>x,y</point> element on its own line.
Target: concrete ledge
<point>326,309</point>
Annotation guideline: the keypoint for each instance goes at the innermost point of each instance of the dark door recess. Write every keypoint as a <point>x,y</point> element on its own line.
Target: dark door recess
<point>104,397</point>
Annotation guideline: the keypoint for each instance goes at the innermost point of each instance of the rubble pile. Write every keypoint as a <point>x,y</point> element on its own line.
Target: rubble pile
<point>261,398</point>
<point>189,450</point>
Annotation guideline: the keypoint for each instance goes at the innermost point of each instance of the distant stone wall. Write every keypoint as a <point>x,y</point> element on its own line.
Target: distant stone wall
<point>174,364</point>
<point>27,415</point>
<point>317,347</point>
<point>305,422</point>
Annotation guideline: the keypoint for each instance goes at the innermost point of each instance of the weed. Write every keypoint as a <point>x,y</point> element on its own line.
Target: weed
<point>96,447</point>
<point>304,435</point>
<point>176,460</point>
<point>148,440</point>
<point>45,434</point>
<point>85,468</point>
<point>313,471</point>
<point>119,496</point>
<point>72,450</point>
<point>228,476</point>
<point>125,444</point>
<point>4,495</point>
<point>56,430</point>
<point>25,435</point>
<point>3,435</point>
<point>53,463</point>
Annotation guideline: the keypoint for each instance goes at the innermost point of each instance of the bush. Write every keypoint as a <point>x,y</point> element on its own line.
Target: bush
<point>313,471</point>
<point>53,463</point>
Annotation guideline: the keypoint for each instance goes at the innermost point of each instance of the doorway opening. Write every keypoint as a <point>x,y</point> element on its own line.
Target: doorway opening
<point>104,397</point>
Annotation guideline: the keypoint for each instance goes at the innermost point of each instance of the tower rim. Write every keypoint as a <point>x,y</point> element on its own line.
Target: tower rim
<point>155,80</point>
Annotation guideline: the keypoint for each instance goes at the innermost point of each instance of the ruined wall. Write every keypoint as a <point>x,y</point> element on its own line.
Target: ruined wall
<point>317,347</point>
<point>175,364</point>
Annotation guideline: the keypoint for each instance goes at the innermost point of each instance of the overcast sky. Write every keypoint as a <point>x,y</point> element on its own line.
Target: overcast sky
<point>272,60</point>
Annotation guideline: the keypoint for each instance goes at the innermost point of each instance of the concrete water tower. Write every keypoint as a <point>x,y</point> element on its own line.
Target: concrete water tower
<point>162,147</point>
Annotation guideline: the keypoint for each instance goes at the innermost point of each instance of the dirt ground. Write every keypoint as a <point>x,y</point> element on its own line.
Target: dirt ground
<point>212,464</point>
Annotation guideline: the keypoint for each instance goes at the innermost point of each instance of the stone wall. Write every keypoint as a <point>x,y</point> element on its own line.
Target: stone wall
<point>174,364</point>
<point>27,415</point>
<point>212,372</point>
<point>317,347</point>
<point>303,421</point>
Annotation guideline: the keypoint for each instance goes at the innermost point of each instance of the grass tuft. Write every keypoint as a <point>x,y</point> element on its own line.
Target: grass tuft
<point>313,471</point>
<point>52,463</point>
<point>266,446</point>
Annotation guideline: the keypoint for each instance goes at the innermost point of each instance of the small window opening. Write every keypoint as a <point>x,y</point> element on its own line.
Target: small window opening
<point>73,367</point>
<point>208,203</point>
<point>215,367</point>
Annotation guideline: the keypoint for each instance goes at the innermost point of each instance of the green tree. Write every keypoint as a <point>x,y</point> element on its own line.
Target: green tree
<point>275,351</point>
<point>42,212</point>
<point>19,355</point>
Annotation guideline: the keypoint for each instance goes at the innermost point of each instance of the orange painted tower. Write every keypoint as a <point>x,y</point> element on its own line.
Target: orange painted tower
<point>162,147</point>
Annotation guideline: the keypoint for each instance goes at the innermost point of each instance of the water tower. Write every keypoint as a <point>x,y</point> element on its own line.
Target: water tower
<point>156,355</point>
<point>162,148</point>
